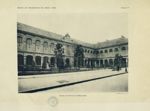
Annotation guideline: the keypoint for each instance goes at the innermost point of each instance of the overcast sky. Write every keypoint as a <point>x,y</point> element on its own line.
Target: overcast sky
<point>88,27</point>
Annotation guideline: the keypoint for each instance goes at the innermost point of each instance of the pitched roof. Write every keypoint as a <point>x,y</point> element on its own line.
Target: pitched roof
<point>107,43</point>
<point>66,38</point>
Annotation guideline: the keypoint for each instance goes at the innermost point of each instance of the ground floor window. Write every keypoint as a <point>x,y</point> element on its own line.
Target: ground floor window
<point>52,61</point>
<point>29,60</point>
<point>20,60</point>
<point>38,60</point>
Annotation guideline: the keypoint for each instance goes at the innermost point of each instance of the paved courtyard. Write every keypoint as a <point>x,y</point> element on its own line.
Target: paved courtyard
<point>88,81</point>
<point>110,84</point>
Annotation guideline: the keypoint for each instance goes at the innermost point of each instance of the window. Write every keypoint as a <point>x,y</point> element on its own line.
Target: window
<point>116,49</point>
<point>45,45</point>
<point>110,50</point>
<point>37,44</point>
<point>38,60</point>
<point>20,59</point>
<point>19,39</point>
<point>29,42</point>
<point>123,48</point>
<point>97,52</point>
<point>101,51</point>
<point>29,60</point>
<point>51,46</point>
<point>106,51</point>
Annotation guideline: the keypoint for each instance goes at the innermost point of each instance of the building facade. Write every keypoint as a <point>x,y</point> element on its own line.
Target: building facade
<point>37,50</point>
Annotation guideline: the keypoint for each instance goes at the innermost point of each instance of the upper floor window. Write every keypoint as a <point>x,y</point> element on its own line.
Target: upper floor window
<point>19,39</point>
<point>110,50</point>
<point>45,45</point>
<point>29,42</point>
<point>37,43</point>
<point>116,50</point>
<point>123,48</point>
<point>101,51</point>
<point>106,51</point>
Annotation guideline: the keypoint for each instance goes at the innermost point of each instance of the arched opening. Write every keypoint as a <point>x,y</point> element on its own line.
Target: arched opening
<point>28,43</point>
<point>116,49</point>
<point>106,63</point>
<point>45,64</point>
<point>37,45</point>
<point>97,63</point>
<point>38,60</point>
<point>20,62</point>
<point>110,62</point>
<point>52,61</point>
<point>123,48</point>
<point>86,61</point>
<point>101,63</point>
<point>29,60</point>
<point>123,62</point>
<point>110,50</point>
<point>67,62</point>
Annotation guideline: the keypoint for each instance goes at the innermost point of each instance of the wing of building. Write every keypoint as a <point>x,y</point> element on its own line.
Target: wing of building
<point>37,50</point>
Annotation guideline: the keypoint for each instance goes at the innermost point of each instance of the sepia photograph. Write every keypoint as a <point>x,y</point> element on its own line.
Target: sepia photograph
<point>72,52</point>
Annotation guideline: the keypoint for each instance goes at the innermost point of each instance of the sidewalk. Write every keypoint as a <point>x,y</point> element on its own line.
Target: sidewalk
<point>35,83</point>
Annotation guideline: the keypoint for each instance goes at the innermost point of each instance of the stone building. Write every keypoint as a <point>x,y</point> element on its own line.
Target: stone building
<point>37,50</point>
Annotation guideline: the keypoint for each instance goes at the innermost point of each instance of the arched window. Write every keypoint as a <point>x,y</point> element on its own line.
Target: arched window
<point>19,40</point>
<point>110,50</point>
<point>116,50</point>
<point>29,42</point>
<point>20,59</point>
<point>52,61</point>
<point>101,51</point>
<point>106,51</point>
<point>45,45</point>
<point>67,62</point>
<point>29,60</point>
<point>123,48</point>
<point>37,44</point>
<point>38,60</point>
<point>110,62</point>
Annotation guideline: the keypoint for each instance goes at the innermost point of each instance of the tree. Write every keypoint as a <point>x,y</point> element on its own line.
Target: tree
<point>59,56</point>
<point>118,62</point>
<point>79,56</point>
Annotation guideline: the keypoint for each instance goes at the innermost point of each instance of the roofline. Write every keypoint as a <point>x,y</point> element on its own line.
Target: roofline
<point>51,38</point>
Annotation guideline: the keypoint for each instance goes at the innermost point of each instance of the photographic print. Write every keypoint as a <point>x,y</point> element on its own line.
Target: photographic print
<point>76,52</point>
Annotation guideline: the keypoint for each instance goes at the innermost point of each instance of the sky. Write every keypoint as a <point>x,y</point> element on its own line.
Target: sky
<point>87,27</point>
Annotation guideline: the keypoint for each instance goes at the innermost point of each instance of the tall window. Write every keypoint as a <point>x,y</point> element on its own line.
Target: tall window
<point>123,48</point>
<point>29,60</point>
<point>20,60</point>
<point>106,51</point>
<point>110,50</point>
<point>37,44</point>
<point>38,60</point>
<point>19,40</point>
<point>101,51</point>
<point>29,43</point>
<point>45,45</point>
<point>116,50</point>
